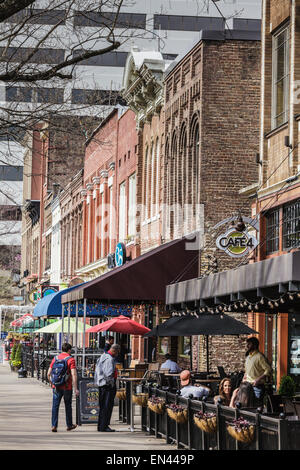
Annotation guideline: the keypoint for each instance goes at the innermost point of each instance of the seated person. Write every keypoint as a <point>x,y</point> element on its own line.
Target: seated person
<point>171,365</point>
<point>225,392</point>
<point>189,389</point>
<point>244,395</point>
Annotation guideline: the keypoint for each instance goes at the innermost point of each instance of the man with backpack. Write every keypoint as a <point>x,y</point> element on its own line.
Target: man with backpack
<point>62,376</point>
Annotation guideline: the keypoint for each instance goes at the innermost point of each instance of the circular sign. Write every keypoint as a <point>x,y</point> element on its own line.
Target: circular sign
<point>235,243</point>
<point>120,254</point>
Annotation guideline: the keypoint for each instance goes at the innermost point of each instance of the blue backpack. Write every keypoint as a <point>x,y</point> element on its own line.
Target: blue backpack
<point>59,374</point>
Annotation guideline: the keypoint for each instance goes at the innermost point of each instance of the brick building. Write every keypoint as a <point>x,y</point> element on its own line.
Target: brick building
<point>276,198</point>
<point>47,163</point>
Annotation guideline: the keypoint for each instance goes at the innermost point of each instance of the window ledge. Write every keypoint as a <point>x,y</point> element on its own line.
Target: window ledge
<point>276,130</point>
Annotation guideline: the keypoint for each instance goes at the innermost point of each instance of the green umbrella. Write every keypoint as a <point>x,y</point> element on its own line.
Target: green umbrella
<point>57,327</point>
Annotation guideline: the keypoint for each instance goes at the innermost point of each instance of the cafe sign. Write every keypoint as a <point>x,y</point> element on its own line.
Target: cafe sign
<point>236,244</point>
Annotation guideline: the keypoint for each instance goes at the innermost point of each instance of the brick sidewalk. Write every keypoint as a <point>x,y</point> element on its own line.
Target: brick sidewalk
<point>25,422</point>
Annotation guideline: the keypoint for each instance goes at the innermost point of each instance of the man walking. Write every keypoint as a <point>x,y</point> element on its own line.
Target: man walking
<point>105,377</point>
<point>257,368</point>
<point>69,382</point>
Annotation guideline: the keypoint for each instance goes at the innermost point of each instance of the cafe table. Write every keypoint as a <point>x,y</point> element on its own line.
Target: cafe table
<point>131,381</point>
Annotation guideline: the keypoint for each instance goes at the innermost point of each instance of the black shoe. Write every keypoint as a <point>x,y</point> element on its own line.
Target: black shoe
<point>108,429</point>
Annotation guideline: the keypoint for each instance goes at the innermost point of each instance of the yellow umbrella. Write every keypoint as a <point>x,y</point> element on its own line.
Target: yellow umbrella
<point>57,327</point>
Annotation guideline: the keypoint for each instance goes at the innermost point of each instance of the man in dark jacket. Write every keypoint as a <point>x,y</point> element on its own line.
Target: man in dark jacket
<point>108,343</point>
<point>105,378</point>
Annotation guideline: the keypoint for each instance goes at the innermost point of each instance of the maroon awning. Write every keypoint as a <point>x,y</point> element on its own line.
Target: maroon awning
<point>145,278</point>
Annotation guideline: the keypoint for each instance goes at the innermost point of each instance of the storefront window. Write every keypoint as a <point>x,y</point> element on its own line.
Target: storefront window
<point>291,225</point>
<point>272,229</point>
<point>164,343</point>
<point>185,346</point>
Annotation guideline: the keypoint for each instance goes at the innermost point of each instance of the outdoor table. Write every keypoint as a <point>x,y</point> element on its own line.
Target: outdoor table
<point>131,380</point>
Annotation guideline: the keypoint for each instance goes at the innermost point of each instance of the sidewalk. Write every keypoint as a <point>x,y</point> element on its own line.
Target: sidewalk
<point>25,422</point>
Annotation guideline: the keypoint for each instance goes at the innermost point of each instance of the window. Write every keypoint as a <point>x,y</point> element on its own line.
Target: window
<point>157,176</point>
<point>10,213</point>
<point>280,80</point>
<point>23,54</point>
<point>38,16</point>
<point>187,23</point>
<point>11,173</point>
<point>145,204</point>
<point>291,225</point>
<point>94,97</point>
<point>272,231</point>
<point>16,93</point>
<point>184,348</point>
<point>50,95</point>
<point>122,212</point>
<point>132,206</point>
<point>96,19</point>
<point>110,59</point>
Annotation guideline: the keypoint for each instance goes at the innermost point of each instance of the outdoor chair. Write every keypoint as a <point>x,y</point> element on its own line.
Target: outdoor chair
<point>289,406</point>
<point>140,370</point>
<point>274,403</point>
<point>297,408</point>
<point>153,366</point>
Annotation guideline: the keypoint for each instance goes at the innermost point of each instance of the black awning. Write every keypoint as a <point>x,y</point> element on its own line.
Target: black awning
<point>143,279</point>
<point>208,325</point>
<point>272,278</point>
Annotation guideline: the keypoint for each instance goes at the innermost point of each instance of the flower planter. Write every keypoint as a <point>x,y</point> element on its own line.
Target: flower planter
<point>157,405</point>
<point>241,430</point>
<point>207,422</point>
<point>177,413</point>
<point>140,399</point>
<point>121,394</point>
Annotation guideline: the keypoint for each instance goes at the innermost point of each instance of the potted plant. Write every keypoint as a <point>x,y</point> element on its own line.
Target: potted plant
<point>287,386</point>
<point>12,356</point>
<point>17,361</point>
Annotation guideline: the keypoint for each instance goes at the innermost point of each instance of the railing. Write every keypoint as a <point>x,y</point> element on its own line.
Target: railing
<point>271,432</point>
<point>36,361</point>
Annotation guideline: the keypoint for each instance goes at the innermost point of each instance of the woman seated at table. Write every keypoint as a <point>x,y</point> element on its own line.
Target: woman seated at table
<point>225,392</point>
<point>189,389</point>
<point>244,395</point>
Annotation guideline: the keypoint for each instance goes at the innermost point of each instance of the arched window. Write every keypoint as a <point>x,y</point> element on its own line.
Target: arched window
<point>157,175</point>
<point>145,181</point>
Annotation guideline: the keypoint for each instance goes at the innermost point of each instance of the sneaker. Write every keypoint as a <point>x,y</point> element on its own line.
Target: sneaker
<point>72,427</point>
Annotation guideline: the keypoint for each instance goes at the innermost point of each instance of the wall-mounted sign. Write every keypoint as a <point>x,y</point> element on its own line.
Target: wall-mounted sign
<point>120,254</point>
<point>236,244</point>
<point>47,290</point>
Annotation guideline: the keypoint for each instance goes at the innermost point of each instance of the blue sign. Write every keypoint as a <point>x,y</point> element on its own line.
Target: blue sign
<point>120,254</point>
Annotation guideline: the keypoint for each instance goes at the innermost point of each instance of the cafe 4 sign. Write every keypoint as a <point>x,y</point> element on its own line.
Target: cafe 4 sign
<point>235,243</point>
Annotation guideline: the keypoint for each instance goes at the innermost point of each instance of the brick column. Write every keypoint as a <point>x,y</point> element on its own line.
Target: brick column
<point>96,198</point>
<point>89,202</point>
<point>84,227</point>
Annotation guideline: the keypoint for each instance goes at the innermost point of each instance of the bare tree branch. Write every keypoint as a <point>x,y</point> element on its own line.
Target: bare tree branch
<point>10,7</point>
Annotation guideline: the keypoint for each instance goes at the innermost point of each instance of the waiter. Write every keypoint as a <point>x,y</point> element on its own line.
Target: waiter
<point>105,377</point>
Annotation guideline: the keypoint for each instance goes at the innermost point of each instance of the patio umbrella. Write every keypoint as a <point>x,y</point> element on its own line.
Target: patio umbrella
<point>207,325</point>
<point>19,321</point>
<point>56,327</point>
<point>204,325</point>
<point>120,324</point>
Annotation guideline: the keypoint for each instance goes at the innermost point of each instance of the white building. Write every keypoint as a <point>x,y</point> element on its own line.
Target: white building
<point>169,26</point>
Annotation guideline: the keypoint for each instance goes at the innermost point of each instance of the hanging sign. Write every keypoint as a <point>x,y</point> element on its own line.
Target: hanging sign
<point>236,244</point>
<point>120,254</point>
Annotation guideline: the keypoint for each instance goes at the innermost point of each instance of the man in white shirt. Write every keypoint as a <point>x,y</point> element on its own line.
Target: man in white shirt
<point>171,365</point>
<point>189,389</point>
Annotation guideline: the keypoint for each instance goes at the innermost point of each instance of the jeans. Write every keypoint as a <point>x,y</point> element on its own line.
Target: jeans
<point>57,396</point>
<point>106,403</point>
<point>259,392</point>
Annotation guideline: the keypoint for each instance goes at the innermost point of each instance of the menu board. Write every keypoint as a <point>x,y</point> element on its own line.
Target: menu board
<point>88,403</point>
<point>295,355</point>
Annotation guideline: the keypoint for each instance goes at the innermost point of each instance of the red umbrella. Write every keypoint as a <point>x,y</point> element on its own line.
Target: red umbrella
<point>19,321</point>
<point>120,324</point>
